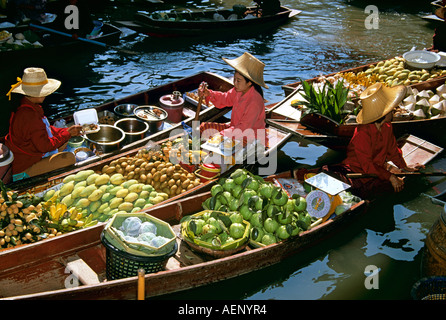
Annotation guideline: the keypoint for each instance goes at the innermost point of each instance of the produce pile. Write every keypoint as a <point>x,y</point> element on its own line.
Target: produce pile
<point>128,184</point>
<point>391,72</point>
<point>153,167</point>
<point>136,231</point>
<point>272,215</point>
<point>101,195</point>
<point>216,230</point>
<point>424,104</point>
<point>28,218</point>
<point>18,41</point>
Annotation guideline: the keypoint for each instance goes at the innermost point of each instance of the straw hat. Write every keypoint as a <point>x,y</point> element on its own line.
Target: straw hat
<point>34,83</point>
<point>378,100</point>
<point>250,67</point>
<point>440,12</point>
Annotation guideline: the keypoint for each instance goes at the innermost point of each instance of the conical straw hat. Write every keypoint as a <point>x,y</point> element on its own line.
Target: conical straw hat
<point>250,67</point>
<point>378,100</point>
<point>35,83</point>
<point>440,12</point>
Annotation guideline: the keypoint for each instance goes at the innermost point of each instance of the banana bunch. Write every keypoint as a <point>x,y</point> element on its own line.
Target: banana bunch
<point>65,219</point>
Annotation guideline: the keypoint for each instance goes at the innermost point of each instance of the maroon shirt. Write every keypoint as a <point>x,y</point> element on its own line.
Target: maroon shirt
<point>28,138</point>
<point>370,149</point>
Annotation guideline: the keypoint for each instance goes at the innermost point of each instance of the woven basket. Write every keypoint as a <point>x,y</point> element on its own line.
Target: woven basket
<point>204,247</point>
<point>215,253</point>
<point>134,248</point>
<point>121,264</point>
<point>429,288</point>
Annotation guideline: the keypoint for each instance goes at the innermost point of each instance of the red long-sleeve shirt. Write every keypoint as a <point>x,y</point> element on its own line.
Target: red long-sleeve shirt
<point>248,110</point>
<point>370,149</point>
<point>28,138</point>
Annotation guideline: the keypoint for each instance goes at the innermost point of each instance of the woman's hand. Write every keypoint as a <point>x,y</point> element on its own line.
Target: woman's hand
<point>397,183</point>
<point>203,90</point>
<point>414,168</point>
<point>75,130</point>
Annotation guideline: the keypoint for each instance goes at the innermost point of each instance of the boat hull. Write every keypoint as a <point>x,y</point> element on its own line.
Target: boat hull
<point>209,27</point>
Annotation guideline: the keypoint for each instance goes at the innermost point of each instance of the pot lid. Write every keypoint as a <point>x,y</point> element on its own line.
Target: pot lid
<point>211,166</point>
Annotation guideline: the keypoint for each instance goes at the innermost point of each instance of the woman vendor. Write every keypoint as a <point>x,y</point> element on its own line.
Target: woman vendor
<point>36,145</point>
<point>246,99</point>
<point>373,144</point>
<point>439,38</point>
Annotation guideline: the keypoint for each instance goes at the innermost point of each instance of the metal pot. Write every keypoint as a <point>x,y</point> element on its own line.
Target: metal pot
<point>134,129</point>
<point>145,113</point>
<point>125,110</point>
<point>107,139</point>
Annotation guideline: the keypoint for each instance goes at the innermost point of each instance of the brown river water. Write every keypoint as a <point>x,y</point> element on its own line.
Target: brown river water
<point>327,36</point>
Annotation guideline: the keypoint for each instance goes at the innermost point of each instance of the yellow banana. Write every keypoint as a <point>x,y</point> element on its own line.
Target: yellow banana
<point>73,214</point>
<point>88,219</point>
<point>53,212</point>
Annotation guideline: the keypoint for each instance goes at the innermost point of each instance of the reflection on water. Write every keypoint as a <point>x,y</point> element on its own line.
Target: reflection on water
<point>403,243</point>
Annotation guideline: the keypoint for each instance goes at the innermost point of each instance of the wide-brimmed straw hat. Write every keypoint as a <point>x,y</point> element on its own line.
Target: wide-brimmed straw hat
<point>440,12</point>
<point>378,100</point>
<point>250,67</point>
<point>34,83</point>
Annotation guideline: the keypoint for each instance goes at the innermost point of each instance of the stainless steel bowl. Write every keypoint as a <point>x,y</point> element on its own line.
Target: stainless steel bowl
<point>146,113</point>
<point>134,129</point>
<point>125,110</point>
<point>107,139</point>
<point>107,117</point>
<point>76,142</point>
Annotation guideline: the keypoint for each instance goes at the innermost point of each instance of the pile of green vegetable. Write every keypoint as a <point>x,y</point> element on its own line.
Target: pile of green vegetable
<point>272,215</point>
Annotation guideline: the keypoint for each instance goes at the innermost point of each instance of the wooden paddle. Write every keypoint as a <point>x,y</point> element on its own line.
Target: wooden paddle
<point>82,39</point>
<point>403,174</point>
<point>200,101</point>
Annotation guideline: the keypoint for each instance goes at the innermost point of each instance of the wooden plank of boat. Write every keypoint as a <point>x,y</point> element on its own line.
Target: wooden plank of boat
<point>202,23</point>
<point>37,271</point>
<point>330,133</point>
<point>148,97</point>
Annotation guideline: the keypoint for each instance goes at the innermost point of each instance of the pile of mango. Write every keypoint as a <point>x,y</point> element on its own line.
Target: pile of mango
<point>272,215</point>
<point>103,195</point>
<point>394,72</point>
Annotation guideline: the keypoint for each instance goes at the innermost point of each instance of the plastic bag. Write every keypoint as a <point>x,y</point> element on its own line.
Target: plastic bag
<point>146,237</point>
<point>130,239</point>
<point>147,226</point>
<point>158,241</point>
<point>131,226</point>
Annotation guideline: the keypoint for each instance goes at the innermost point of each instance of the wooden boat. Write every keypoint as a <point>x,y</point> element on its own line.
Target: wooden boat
<point>330,133</point>
<point>432,18</point>
<point>291,87</point>
<point>51,42</point>
<point>148,97</point>
<point>275,136</point>
<point>40,270</point>
<point>202,23</point>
